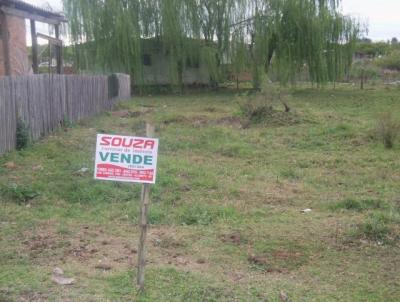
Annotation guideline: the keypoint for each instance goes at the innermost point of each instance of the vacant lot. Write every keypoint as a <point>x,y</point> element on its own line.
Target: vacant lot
<point>226,220</point>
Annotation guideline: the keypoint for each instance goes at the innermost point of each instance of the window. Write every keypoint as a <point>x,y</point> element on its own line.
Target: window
<point>147,60</point>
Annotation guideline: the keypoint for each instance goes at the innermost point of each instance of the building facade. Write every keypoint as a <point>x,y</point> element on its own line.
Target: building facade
<point>13,45</point>
<point>13,48</point>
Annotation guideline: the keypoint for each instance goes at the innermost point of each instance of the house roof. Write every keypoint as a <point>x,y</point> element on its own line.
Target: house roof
<point>28,11</point>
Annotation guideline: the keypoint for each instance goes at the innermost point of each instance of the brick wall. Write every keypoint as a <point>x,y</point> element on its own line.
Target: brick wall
<point>2,67</point>
<point>16,33</point>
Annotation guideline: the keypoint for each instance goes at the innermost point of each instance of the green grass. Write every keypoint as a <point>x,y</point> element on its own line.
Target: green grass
<point>226,220</point>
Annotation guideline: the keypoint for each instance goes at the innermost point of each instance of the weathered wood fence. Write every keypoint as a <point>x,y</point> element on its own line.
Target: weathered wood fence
<point>45,102</point>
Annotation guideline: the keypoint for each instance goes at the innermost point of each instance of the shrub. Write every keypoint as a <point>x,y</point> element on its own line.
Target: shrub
<point>22,135</point>
<point>391,61</point>
<point>364,71</point>
<point>255,111</point>
<point>259,107</point>
<point>18,193</point>
<point>387,130</point>
<point>374,228</point>
<point>66,122</point>
<point>380,226</point>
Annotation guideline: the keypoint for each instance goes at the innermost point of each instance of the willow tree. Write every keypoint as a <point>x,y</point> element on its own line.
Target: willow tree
<point>256,35</point>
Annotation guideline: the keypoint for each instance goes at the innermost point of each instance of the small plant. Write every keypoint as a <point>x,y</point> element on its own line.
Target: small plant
<point>22,134</point>
<point>364,71</point>
<point>387,130</point>
<point>380,226</point>
<point>375,228</point>
<point>359,205</point>
<point>18,193</point>
<point>255,111</point>
<point>204,215</point>
<point>261,106</point>
<point>66,122</point>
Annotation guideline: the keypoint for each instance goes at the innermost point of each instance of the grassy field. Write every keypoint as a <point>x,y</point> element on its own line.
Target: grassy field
<point>226,220</point>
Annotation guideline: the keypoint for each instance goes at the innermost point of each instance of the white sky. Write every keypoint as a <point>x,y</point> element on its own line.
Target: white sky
<point>382,17</point>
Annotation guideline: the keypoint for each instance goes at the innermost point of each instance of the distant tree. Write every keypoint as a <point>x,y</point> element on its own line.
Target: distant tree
<point>250,34</point>
<point>394,41</point>
<point>372,49</point>
<point>363,71</point>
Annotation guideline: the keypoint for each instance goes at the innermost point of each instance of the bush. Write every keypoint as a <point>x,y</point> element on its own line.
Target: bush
<point>375,228</point>
<point>382,226</point>
<point>260,106</point>
<point>255,111</point>
<point>364,71</point>
<point>387,130</point>
<point>18,193</point>
<point>22,135</point>
<point>66,122</point>
<point>391,61</point>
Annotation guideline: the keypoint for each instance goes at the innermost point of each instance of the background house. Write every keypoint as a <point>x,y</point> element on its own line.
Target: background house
<point>157,71</point>
<point>13,48</point>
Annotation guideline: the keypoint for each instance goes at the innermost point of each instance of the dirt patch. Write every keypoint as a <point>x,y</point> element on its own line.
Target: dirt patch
<point>234,238</point>
<point>200,121</point>
<point>129,113</point>
<point>287,255</point>
<point>176,119</point>
<point>40,246</point>
<point>166,240</point>
<point>10,165</point>
<point>31,296</point>
<point>258,259</point>
<point>88,245</point>
<point>169,249</point>
<point>231,121</point>
<point>210,109</point>
<point>278,261</point>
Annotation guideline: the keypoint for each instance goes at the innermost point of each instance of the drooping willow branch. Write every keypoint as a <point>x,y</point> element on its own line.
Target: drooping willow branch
<point>247,35</point>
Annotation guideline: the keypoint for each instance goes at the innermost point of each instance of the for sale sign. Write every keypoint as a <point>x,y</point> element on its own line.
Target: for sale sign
<point>126,158</point>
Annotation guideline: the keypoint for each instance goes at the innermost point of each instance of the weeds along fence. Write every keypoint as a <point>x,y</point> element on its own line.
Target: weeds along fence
<point>43,103</point>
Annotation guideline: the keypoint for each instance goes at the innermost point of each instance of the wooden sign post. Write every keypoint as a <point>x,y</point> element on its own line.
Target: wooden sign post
<point>130,159</point>
<point>144,208</point>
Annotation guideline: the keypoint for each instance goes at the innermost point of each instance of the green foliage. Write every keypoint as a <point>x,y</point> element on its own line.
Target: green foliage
<point>379,226</point>
<point>66,123</point>
<point>364,71</point>
<point>176,285</point>
<point>22,135</point>
<point>20,194</point>
<point>387,130</point>
<point>255,111</point>
<point>359,205</point>
<point>372,49</point>
<point>261,106</point>
<point>390,61</point>
<point>204,214</point>
<point>250,35</point>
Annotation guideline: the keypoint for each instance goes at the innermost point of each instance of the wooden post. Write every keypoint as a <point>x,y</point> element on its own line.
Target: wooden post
<point>35,65</point>
<point>50,58</point>
<point>59,51</point>
<point>144,208</point>
<point>362,78</point>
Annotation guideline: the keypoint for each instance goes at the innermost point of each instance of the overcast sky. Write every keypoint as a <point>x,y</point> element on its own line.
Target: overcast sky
<point>382,17</point>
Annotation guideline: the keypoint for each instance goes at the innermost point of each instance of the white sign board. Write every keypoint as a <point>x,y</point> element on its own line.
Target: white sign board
<point>126,158</point>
